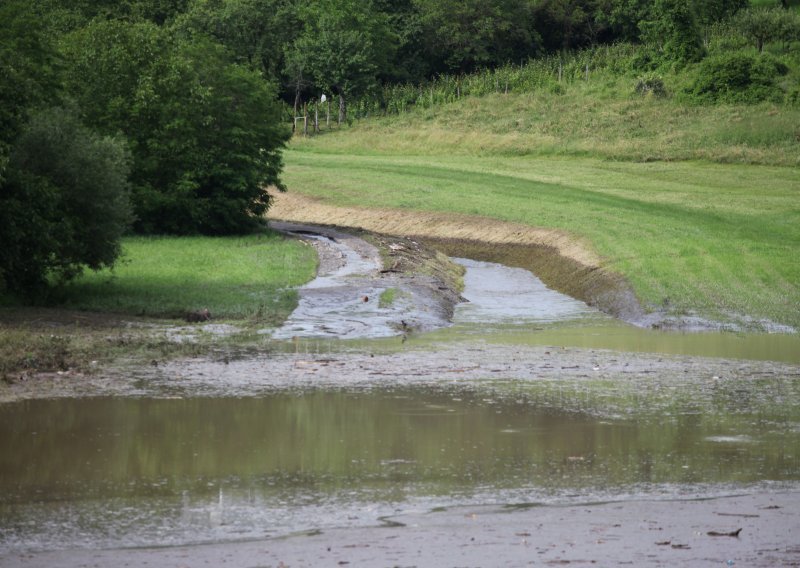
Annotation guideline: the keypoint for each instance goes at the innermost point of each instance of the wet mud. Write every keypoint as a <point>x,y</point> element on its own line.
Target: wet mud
<point>640,533</point>
<point>355,296</point>
<point>562,261</point>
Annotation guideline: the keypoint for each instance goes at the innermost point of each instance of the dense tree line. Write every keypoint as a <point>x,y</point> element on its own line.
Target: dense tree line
<point>165,116</point>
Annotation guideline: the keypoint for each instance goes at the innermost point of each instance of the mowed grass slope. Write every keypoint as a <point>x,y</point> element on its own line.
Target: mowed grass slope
<point>717,240</point>
<point>248,277</point>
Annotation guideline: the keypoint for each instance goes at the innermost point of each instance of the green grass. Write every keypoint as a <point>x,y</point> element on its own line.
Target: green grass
<point>698,206</point>
<point>600,119</point>
<point>387,297</point>
<point>234,277</point>
<point>692,236</point>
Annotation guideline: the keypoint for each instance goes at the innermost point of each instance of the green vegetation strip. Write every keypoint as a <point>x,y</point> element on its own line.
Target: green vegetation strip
<point>691,237</point>
<point>233,277</point>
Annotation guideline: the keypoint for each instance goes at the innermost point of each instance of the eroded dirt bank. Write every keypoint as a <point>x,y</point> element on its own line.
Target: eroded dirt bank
<point>561,261</point>
<point>639,533</point>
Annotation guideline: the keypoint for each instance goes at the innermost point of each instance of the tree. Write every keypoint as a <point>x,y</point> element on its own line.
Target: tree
<point>257,32</point>
<point>759,25</point>
<point>345,45</point>
<point>564,24</point>
<point>711,11</point>
<point>28,72</point>
<point>621,18</point>
<point>764,25</point>
<point>205,133</point>
<point>461,35</point>
<point>64,205</point>
<point>672,29</point>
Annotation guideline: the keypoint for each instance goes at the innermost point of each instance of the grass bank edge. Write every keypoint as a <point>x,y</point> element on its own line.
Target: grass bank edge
<point>731,230</point>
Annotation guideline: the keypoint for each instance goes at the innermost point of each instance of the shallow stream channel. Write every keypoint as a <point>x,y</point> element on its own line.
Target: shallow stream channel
<point>365,414</point>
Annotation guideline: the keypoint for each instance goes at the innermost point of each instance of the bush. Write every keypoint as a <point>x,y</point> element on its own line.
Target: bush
<point>64,204</point>
<point>737,78</point>
<point>651,85</point>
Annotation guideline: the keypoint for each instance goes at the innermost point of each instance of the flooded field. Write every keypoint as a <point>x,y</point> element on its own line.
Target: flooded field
<point>125,472</point>
<point>530,398</point>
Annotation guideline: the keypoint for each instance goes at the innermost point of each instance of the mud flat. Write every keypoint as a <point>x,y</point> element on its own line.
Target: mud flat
<point>639,533</point>
<point>345,301</point>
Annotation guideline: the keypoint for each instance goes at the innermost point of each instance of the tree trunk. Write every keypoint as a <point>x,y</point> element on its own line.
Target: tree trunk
<point>342,109</point>
<point>296,104</point>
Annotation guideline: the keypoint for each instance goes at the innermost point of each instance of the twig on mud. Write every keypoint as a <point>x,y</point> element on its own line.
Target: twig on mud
<point>732,533</point>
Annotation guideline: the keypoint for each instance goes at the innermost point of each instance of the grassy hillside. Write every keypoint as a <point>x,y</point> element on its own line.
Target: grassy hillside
<point>697,206</point>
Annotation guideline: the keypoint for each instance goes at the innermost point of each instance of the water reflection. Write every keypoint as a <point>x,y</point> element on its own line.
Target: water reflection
<point>133,471</point>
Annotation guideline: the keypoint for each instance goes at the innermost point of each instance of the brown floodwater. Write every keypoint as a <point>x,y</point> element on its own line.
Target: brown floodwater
<point>100,472</point>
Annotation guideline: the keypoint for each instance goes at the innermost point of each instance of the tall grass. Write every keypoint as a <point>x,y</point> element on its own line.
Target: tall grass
<point>551,72</point>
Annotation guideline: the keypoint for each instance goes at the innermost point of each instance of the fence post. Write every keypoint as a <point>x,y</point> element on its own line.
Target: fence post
<point>305,119</point>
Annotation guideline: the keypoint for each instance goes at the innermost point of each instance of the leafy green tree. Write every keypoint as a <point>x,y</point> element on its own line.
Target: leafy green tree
<point>64,205</point>
<point>410,62</point>
<point>464,35</point>
<point>63,16</point>
<point>564,24</point>
<point>257,32</point>
<point>621,18</point>
<point>711,11</point>
<point>672,29</point>
<point>28,72</point>
<point>765,25</point>
<point>346,46</point>
<point>205,133</point>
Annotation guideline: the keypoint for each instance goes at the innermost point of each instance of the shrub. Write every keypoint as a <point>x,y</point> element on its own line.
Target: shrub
<point>651,85</point>
<point>64,204</point>
<point>737,78</point>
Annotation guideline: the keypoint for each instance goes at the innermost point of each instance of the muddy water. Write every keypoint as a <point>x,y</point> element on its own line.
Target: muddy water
<point>501,295</point>
<point>125,472</point>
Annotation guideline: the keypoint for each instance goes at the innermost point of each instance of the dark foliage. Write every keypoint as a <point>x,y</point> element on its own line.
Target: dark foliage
<point>737,78</point>
<point>64,205</point>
